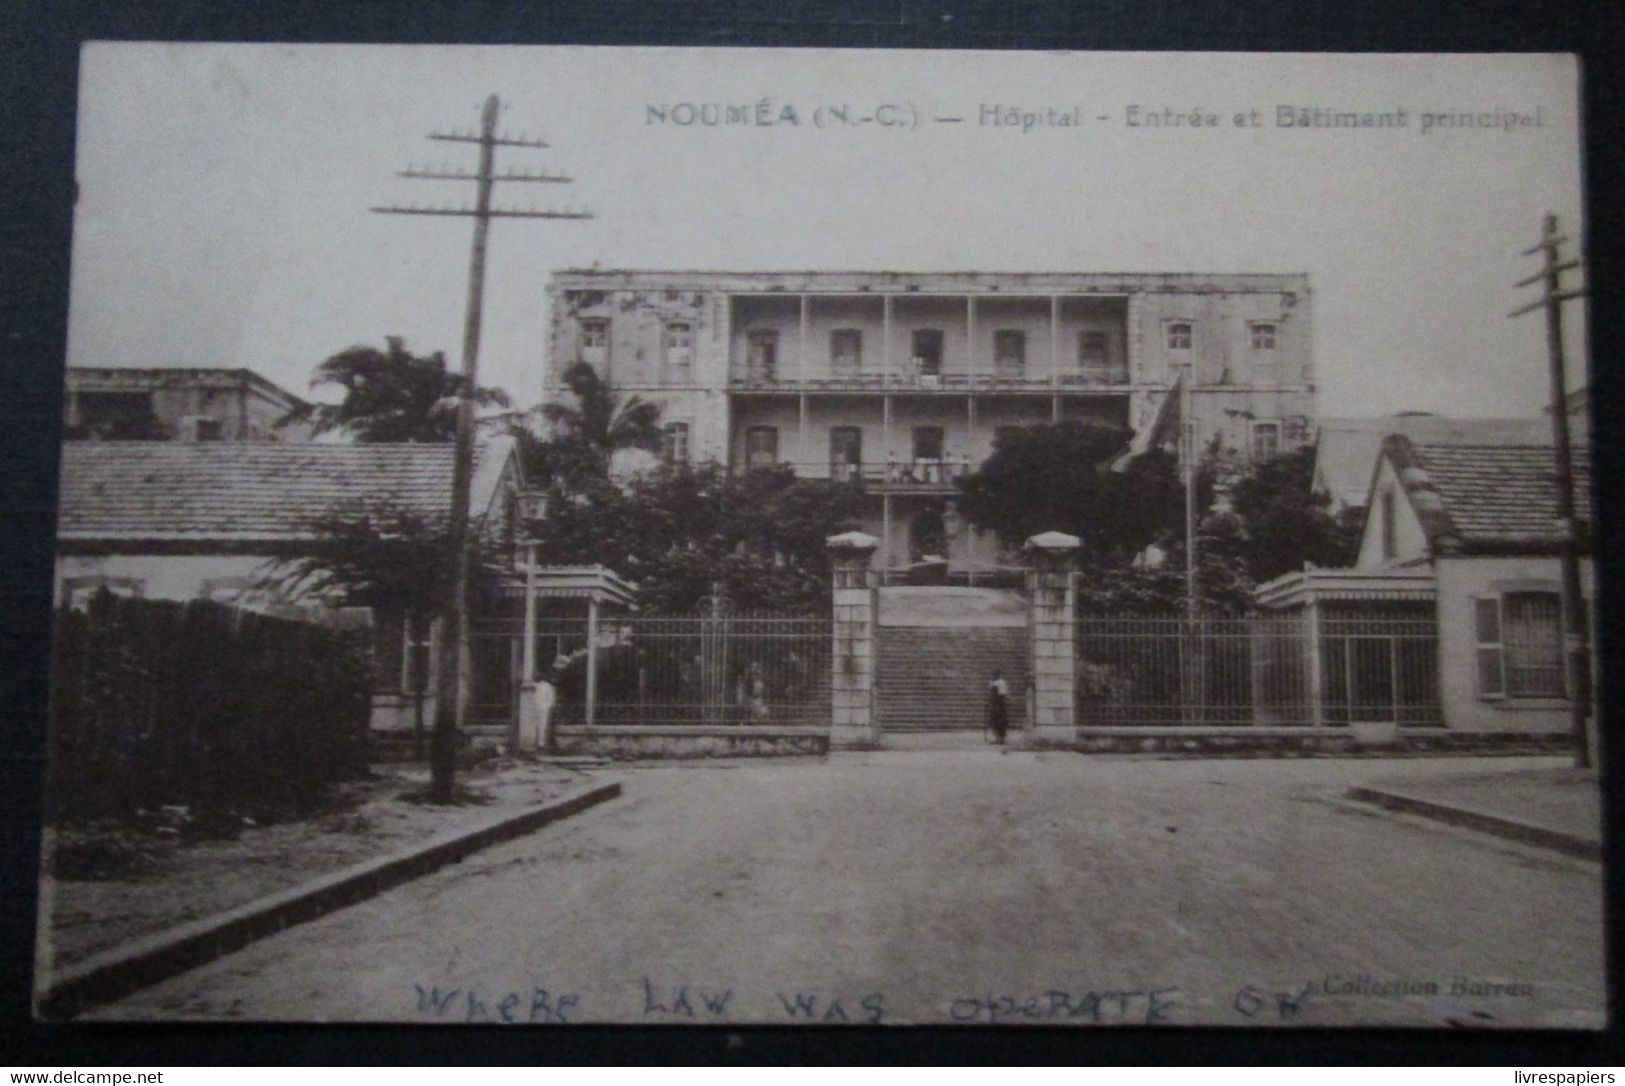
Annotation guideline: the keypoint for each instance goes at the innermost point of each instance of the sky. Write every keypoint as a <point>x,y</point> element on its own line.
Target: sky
<point>222,215</point>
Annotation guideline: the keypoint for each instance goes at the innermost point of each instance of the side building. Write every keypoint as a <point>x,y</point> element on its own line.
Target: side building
<point>903,381</point>
<point>177,404</point>
<point>187,520</point>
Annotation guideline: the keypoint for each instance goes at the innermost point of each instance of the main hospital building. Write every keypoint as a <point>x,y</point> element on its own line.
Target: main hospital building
<point>904,380</point>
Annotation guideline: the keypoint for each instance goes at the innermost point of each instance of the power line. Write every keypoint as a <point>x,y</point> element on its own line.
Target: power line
<point>1576,654</point>
<point>452,670</point>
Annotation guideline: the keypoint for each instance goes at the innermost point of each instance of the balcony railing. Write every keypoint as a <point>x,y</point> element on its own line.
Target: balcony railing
<point>925,475</point>
<point>1031,380</point>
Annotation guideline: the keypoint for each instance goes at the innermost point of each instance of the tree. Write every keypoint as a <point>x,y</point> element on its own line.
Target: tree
<point>391,395</point>
<point>1131,524</point>
<point>683,533</point>
<point>1051,478</point>
<point>588,434</point>
<point>1157,586</point>
<point>1287,524</point>
<point>378,554</point>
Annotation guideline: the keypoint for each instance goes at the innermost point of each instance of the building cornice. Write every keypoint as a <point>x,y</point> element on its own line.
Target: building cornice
<point>933,282</point>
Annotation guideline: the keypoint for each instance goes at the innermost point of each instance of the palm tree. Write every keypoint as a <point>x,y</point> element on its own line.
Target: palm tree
<point>599,424</point>
<point>391,395</point>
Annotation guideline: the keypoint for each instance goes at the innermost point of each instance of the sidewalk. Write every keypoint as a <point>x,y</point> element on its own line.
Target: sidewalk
<point>1556,808</point>
<point>110,885</point>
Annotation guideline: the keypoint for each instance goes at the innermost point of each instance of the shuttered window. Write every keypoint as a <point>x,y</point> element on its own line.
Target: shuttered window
<point>679,345</point>
<point>1487,633</point>
<point>1532,639</point>
<point>674,443</point>
<point>1519,637</point>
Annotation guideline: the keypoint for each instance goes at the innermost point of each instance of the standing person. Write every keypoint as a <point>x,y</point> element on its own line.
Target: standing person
<point>544,697</point>
<point>998,713</point>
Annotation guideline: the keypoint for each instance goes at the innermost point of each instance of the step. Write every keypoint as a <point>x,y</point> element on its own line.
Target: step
<point>935,679</point>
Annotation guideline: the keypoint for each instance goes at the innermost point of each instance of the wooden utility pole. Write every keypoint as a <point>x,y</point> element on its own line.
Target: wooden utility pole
<point>452,658</point>
<point>1576,647</point>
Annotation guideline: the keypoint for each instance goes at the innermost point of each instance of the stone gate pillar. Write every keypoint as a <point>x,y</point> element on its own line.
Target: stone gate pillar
<point>1052,660</point>
<point>852,661</point>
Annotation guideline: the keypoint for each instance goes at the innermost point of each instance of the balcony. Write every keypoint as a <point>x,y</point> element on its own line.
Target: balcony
<point>926,475</point>
<point>1077,379</point>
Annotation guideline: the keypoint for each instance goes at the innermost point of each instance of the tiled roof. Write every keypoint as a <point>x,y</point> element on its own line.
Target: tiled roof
<point>1490,495</point>
<point>241,491</point>
<point>1347,447</point>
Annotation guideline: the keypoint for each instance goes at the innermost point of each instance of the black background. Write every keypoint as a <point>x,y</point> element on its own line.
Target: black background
<point>39,42</point>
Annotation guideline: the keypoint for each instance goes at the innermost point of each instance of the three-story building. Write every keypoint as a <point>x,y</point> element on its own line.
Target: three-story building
<point>903,381</point>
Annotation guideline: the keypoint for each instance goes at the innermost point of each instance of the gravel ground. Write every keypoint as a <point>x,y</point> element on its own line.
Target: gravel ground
<point>148,881</point>
<point>957,885</point>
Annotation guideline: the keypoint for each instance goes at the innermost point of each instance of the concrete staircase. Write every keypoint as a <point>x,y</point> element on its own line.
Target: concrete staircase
<point>934,678</point>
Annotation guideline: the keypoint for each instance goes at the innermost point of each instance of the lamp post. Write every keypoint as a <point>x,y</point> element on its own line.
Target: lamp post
<point>529,725</point>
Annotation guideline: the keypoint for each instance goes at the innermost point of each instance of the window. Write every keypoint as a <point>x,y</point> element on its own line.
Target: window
<point>762,355</point>
<point>928,443</point>
<point>389,656</point>
<point>1390,546</point>
<point>927,353</point>
<point>846,350</point>
<point>114,416</point>
<point>594,340</point>
<point>761,446</point>
<point>1520,645</point>
<point>1532,643</point>
<point>1009,352</point>
<point>679,346</point>
<point>1266,439</point>
<point>927,465</point>
<point>1178,335</point>
<point>927,535</point>
<point>674,443</point>
<point>402,653</point>
<point>1264,336</point>
<point>206,430</point>
<point>419,660</point>
<point>1092,352</point>
<point>845,453</point>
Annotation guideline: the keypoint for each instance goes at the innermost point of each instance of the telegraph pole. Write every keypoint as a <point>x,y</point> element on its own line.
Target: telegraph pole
<point>452,655</point>
<point>1576,648</point>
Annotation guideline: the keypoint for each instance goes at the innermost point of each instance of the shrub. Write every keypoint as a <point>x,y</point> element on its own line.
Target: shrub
<point>197,704</point>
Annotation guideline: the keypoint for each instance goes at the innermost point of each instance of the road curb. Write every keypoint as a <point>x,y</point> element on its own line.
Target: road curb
<point>116,973</point>
<point>1567,843</point>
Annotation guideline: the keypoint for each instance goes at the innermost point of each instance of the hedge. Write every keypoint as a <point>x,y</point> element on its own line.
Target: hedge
<point>201,705</point>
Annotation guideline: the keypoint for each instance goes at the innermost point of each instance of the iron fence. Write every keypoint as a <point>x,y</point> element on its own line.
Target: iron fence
<point>496,662</point>
<point>1264,670</point>
<point>741,669</point>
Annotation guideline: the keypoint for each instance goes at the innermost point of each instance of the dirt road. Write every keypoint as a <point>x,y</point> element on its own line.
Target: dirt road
<point>957,885</point>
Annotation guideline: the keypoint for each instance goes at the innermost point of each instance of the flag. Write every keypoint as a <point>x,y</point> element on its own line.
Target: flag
<point>1162,428</point>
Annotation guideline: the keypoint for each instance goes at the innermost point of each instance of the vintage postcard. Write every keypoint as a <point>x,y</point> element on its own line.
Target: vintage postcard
<point>733,536</point>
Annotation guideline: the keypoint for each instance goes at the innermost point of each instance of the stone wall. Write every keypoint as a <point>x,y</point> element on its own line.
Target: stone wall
<point>655,742</point>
